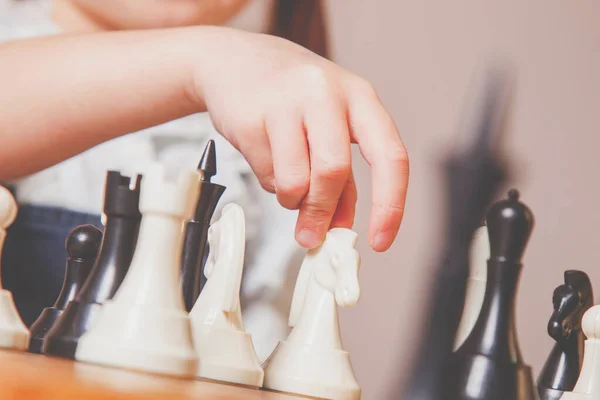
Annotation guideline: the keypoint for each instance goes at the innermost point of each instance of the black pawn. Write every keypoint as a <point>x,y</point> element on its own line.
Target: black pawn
<point>82,246</point>
<point>489,365</point>
<point>195,243</point>
<point>562,368</point>
<point>121,228</point>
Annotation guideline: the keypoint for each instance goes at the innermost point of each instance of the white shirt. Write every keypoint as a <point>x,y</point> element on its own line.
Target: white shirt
<point>78,183</point>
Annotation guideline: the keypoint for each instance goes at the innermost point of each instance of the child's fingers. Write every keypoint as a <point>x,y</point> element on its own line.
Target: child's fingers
<point>330,162</point>
<point>346,208</point>
<point>380,144</point>
<point>256,149</point>
<point>290,158</point>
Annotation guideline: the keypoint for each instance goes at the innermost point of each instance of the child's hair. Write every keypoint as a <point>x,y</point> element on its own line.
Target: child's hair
<point>302,22</point>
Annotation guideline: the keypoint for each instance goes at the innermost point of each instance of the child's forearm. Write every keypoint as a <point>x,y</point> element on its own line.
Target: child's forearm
<point>62,95</point>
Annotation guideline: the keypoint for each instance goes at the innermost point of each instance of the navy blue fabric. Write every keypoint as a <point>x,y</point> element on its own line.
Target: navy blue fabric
<point>34,256</point>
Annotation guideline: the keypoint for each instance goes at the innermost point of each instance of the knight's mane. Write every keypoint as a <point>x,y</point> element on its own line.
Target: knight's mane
<point>232,234</point>
<point>304,275</point>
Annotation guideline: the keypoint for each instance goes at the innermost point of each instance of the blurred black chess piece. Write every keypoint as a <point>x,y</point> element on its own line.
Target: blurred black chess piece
<point>474,173</point>
<point>489,365</point>
<point>121,226</point>
<point>195,243</point>
<point>562,368</point>
<point>82,246</point>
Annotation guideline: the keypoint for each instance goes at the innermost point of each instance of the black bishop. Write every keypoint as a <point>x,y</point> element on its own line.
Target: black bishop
<point>196,232</point>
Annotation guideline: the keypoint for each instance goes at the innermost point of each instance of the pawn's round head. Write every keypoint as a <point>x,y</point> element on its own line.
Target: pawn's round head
<point>8,208</point>
<point>83,242</point>
<point>591,323</point>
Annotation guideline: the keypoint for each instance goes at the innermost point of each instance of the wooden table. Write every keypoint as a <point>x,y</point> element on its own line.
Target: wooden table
<point>25,376</point>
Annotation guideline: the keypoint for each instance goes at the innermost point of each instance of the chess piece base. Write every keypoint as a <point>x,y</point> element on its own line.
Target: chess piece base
<point>496,381</point>
<point>317,373</point>
<point>40,328</point>
<point>13,332</point>
<point>156,340</point>
<point>62,339</point>
<point>550,394</point>
<point>228,356</point>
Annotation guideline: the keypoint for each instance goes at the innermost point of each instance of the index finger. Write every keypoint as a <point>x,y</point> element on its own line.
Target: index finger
<point>380,144</point>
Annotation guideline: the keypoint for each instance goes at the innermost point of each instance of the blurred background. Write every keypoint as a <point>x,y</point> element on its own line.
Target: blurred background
<point>421,57</point>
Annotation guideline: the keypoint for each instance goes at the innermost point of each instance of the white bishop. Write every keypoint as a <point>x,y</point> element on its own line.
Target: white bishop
<point>475,290</point>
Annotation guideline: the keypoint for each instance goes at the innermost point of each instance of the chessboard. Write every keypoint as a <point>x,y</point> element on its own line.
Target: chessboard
<point>32,376</point>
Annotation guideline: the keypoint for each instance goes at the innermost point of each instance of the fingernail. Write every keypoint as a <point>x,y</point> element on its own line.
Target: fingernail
<point>308,239</point>
<point>379,242</point>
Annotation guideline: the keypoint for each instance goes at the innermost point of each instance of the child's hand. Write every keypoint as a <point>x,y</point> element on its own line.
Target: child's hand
<point>293,115</point>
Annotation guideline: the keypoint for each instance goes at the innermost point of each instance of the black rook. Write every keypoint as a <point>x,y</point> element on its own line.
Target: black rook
<point>122,224</point>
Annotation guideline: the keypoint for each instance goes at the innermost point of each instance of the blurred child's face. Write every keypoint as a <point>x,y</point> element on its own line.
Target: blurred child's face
<point>147,14</point>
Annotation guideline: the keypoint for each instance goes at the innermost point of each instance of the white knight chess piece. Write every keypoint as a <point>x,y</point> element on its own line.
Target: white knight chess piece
<point>13,333</point>
<point>312,361</point>
<point>225,350</point>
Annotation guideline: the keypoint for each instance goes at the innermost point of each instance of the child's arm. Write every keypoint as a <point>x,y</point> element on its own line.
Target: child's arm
<point>275,101</point>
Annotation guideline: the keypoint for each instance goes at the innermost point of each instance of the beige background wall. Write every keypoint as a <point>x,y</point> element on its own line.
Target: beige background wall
<point>420,56</point>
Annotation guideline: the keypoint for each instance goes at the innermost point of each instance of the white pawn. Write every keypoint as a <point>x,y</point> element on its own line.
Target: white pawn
<point>475,291</point>
<point>312,361</point>
<point>225,350</point>
<point>13,333</point>
<point>145,325</point>
<point>588,384</point>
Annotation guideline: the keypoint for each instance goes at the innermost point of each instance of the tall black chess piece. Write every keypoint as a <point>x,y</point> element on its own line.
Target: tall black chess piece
<point>120,236</point>
<point>561,370</point>
<point>195,243</point>
<point>473,175</point>
<point>82,246</point>
<point>489,366</point>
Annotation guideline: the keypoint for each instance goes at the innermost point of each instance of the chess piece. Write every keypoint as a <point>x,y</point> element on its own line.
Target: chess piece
<point>588,384</point>
<point>82,246</point>
<point>480,252</point>
<point>489,365</point>
<point>194,245</point>
<point>145,326</point>
<point>13,333</point>
<point>561,370</point>
<point>216,317</point>
<point>474,172</point>
<point>121,226</point>
<point>312,361</point>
